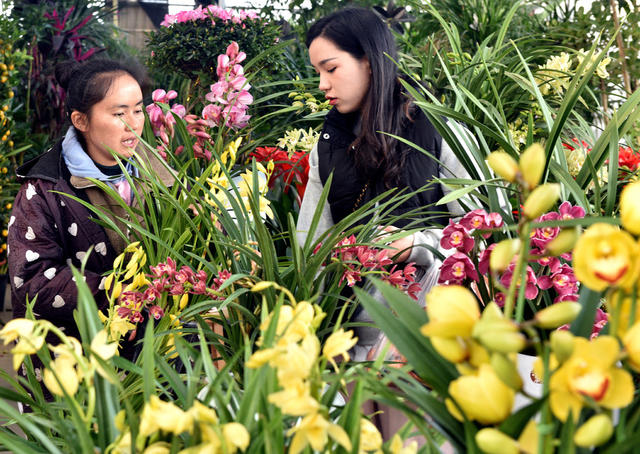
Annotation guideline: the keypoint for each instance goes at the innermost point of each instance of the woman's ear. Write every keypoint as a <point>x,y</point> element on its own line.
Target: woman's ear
<point>80,121</point>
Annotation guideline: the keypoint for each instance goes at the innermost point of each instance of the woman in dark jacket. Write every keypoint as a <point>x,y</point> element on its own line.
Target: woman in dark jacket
<point>48,229</point>
<point>354,53</point>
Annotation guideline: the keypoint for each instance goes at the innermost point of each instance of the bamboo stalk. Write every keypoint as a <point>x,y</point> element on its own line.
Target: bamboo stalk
<point>619,41</point>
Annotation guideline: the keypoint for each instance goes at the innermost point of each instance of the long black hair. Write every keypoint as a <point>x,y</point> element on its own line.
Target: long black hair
<point>361,33</point>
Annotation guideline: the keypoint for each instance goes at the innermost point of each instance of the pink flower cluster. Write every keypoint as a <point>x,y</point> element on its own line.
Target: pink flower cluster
<point>458,266</point>
<point>162,123</point>
<point>210,12</point>
<point>229,96</point>
<point>167,279</point>
<point>543,272</point>
<point>358,260</point>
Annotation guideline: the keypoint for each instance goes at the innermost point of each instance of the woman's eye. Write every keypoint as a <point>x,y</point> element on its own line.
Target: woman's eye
<point>138,111</point>
<point>119,114</point>
<point>331,70</point>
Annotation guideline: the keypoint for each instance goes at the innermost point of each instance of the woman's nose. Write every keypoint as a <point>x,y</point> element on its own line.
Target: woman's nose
<point>324,83</point>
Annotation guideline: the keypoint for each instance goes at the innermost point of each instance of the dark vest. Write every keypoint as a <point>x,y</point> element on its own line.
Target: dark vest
<point>335,156</point>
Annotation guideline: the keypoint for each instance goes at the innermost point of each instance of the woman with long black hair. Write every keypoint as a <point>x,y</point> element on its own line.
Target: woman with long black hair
<point>354,53</point>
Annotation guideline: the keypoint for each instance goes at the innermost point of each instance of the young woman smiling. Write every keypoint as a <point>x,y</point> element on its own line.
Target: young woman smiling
<point>353,51</point>
<point>48,230</point>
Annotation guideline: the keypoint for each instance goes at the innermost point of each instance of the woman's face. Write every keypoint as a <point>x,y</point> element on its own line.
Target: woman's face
<point>112,123</point>
<point>344,79</point>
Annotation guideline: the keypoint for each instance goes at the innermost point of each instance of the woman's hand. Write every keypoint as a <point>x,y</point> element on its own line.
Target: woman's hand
<point>400,249</point>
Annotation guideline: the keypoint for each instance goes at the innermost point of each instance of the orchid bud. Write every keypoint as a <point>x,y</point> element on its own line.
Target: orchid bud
<point>532,162</point>
<point>562,342</point>
<point>563,242</point>
<point>503,165</point>
<point>541,200</point>
<point>503,341</point>
<point>506,371</point>
<point>557,314</point>
<point>595,432</point>
<point>502,254</point>
<point>630,207</point>
<point>453,350</point>
<point>492,441</point>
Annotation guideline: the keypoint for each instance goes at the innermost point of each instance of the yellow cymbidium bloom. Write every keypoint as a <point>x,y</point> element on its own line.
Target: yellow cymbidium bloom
<point>294,363</point>
<point>397,446</point>
<point>295,399</point>
<point>67,375</point>
<point>606,256</point>
<point>166,416</point>
<point>590,371</point>
<point>370,438</point>
<point>159,447</point>
<point>482,397</point>
<point>235,437</point>
<point>315,430</point>
<point>338,344</point>
<point>452,310</point>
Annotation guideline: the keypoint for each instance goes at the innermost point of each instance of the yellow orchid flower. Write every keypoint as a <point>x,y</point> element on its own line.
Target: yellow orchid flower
<point>203,414</point>
<point>370,438</point>
<point>18,327</point>
<point>102,349</point>
<point>452,310</point>
<point>591,372</point>
<point>166,416</point>
<point>296,361</point>
<point>338,344</point>
<point>295,399</point>
<point>159,447</point>
<point>68,376</point>
<point>482,397</point>
<point>235,436</point>
<point>315,430</point>
<point>119,326</point>
<point>606,256</point>
<point>397,446</point>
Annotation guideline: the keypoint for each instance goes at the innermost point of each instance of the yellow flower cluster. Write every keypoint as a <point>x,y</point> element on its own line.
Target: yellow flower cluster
<point>296,356</point>
<point>220,187</point>
<point>298,140</point>
<point>69,367</point>
<point>482,346</point>
<point>555,75</point>
<point>160,417</point>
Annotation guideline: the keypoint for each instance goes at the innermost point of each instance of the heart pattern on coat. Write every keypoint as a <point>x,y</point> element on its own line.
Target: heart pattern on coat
<point>18,281</point>
<point>73,229</point>
<point>80,255</point>
<point>50,273</point>
<point>31,255</point>
<point>62,204</point>
<point>30,235</point>
<point>31,191</point>
<point>101,248</point>
<point>12,219</point>
<point>58,301</point>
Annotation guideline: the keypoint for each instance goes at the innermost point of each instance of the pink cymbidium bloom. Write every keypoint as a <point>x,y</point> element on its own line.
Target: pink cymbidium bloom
<point>541,236</point>
<point>531,287</point>
<point>455,236</point>
<point>156,312</point>
<point>456,268</point>
<point>483,260</point>
<point>567,211</point>
<point>164,269</point>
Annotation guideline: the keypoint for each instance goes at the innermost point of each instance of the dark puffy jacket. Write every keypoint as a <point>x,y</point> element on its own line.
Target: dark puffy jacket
<point>49,231</point>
